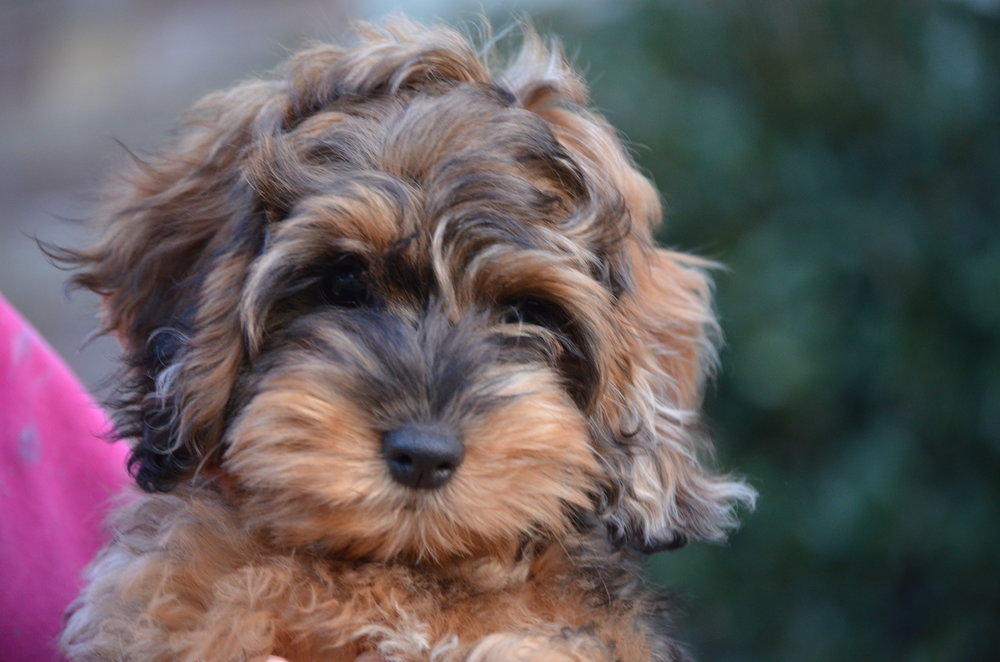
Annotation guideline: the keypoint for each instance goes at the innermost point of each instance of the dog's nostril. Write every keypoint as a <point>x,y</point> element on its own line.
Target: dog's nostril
<point>443,472</point>
<point>422,458</point>
<point>402,459</point>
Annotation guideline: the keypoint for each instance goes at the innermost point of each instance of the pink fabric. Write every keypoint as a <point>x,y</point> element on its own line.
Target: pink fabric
<point>56,480</point>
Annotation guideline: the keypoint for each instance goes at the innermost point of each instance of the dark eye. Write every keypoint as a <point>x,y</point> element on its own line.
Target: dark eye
<point>538,312</point>
<point>345,284</point>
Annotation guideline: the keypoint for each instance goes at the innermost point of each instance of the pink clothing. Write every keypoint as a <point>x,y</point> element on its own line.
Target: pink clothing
<point>56,480</point>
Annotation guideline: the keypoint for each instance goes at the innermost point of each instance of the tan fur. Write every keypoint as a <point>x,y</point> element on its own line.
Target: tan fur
<point>189,564</point>
<point>507,292</point>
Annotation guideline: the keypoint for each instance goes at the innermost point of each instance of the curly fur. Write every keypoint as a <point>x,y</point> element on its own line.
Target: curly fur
<point>510,293</point>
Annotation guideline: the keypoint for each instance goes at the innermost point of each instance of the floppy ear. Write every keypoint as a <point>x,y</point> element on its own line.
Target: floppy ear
<point>177,236</point>
<point>662,491</point>
<point>668,494</point>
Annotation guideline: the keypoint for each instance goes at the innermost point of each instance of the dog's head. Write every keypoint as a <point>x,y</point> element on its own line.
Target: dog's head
<point>401,305</point>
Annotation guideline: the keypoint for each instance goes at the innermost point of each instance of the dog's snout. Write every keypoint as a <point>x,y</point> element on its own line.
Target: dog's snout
<point>422,458</point>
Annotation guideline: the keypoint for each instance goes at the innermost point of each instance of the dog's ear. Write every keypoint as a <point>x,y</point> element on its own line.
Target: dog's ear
<point>663,492</point>
<point>667,492</point>
<point>177,235</point>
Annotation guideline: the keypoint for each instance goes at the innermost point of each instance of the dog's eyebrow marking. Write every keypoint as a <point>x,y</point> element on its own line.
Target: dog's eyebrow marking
<point>372,207</point>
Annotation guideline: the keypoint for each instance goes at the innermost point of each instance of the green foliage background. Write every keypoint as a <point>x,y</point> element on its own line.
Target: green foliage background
<point>842,158</point>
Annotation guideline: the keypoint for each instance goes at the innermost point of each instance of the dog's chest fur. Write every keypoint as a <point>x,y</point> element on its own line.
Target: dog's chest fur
<point>203,584</point>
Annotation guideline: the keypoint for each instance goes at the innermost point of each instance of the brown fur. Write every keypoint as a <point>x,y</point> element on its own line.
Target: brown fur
<point>510,294</point>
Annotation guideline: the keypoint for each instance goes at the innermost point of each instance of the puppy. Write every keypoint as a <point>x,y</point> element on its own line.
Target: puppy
<point>405,375</point>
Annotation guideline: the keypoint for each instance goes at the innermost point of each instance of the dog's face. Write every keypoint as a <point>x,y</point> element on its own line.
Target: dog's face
<point>402,308</point>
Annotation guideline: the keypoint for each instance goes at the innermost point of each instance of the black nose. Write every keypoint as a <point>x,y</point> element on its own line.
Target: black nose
<point>421,458</point>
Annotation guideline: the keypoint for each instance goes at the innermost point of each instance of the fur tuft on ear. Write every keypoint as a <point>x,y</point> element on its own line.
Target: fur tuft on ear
<point>546,84</point>
<point>669,494</point>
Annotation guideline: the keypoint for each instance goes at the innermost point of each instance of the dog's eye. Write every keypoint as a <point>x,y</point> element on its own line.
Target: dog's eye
<point>534,311</point>
<point>345,284</point>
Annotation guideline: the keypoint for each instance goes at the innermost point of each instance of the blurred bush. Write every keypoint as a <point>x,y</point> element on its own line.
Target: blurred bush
<point>842,157</point>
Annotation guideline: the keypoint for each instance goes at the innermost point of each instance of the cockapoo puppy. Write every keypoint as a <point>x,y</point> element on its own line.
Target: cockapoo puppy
<point>406,377</point>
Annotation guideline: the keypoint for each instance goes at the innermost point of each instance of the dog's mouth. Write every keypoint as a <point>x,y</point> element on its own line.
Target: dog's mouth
<point>319,465</point>
<point>417,504</point>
